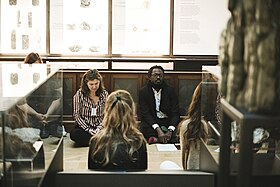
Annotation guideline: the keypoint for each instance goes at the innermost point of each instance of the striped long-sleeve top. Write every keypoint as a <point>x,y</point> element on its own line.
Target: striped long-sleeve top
<point>83,111</point>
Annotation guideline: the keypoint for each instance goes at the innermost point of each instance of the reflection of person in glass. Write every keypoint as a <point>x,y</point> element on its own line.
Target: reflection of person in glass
<point>54,104</point>
<point>33,58</point>
<point>19,137</point>
<point>49,104</point>
<point>119,145</point>
<point>159,109</point>
<point>88,105</point>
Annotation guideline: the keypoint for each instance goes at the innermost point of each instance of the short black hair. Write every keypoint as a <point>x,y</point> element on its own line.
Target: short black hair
<point>154,67</point>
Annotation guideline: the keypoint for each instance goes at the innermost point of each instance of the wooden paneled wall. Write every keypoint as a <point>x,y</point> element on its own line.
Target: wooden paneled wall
<point>184,84</point>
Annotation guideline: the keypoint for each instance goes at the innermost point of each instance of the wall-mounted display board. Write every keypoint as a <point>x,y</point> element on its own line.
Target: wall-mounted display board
<point>112,28</point>
<point>198,25</point>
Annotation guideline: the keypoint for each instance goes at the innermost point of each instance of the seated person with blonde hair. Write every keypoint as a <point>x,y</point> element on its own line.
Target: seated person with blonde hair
<point>119,145</point>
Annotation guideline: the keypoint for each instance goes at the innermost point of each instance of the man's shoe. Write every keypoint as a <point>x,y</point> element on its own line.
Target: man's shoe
<point>44,133</point>
<point>152,140</point>
<point>63,131</point>
<point>59,131</point>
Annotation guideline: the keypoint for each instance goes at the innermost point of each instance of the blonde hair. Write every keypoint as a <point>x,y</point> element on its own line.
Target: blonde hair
<point>120,127</point>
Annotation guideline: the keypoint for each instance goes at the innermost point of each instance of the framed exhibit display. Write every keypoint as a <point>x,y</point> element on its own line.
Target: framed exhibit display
<point>23,26</point>
<point>79,26</point>
<point>141,27</point>
<point>149,28</point>
<point>198,25</point>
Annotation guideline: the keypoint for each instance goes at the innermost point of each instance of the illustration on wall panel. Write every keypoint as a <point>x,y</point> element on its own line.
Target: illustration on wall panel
<point>29,19</point>
<point>12,2</point>
<point>14,78</point>
<point>85,3</point>
<point>18,19</point>
<point>35,2</point>
<point>13,39</point>
<point>25,42</point>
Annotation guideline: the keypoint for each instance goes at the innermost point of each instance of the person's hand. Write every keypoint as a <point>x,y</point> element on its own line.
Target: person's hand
<point>40,116</point>
<point>44,119</point>
<point>44,122</point>
<point>168,135</point>
<point>46,116</point>
<point>161,135</point>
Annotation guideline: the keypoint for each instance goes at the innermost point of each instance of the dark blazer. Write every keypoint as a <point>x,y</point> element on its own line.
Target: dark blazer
<point>169,105</point>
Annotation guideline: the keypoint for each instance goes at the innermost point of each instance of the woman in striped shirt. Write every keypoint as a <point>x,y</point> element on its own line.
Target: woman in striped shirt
<point>88,104</point>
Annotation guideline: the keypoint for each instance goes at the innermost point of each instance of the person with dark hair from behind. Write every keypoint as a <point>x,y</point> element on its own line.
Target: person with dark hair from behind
<point>88,107</point>
<point>192,131</point>
<point>159,109</point>
<point>119,145</point>
<point>33,58</point>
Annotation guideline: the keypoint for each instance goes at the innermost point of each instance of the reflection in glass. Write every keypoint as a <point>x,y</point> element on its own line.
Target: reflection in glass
<point>19,79</point>
<point>210,104</point>
<point>186,89</point>
<point>29,104</point>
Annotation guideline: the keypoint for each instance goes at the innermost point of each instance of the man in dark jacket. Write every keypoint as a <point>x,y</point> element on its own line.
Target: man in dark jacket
<point>159,108</point>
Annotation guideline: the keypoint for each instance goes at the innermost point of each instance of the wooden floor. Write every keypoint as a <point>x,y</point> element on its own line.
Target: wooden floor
<point>77,157</point>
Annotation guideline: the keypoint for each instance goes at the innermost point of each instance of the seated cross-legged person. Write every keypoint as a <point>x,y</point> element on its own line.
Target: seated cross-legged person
<point>191,131</point>
<point>159,108</point>
<point>88,104</point>
<point>119,145</point>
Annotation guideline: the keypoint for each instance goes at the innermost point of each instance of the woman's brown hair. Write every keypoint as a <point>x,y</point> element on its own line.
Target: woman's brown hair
<point>91,75</point>
<point>195,128</point>
<point>32,58</point>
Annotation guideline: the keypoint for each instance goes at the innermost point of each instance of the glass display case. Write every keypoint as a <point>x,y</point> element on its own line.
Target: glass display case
<point>211,102</point>
<point>244,146</point>
<point>31,123</point>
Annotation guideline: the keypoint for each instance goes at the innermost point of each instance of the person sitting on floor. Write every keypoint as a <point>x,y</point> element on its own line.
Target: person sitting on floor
<point>192,131</point>
<point>159,109</point>
<point>119,145</point>
<point>88,105</point>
